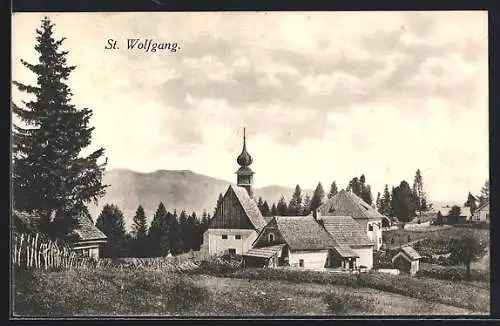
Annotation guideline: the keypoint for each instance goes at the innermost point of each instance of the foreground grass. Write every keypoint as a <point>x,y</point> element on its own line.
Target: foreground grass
<point>112,292</point>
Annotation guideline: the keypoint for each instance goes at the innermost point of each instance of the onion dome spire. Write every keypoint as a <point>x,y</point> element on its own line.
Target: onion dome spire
<point>244,159</point>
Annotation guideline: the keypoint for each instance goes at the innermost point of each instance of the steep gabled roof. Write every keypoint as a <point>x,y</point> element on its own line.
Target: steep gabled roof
<point>86,230</point>
<point>303,233</point>
<point>345,229</point>
<point>348,204</point>
<point>249,206</point>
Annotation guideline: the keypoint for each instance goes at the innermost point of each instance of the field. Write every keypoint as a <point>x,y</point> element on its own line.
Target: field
<point>153,292</point>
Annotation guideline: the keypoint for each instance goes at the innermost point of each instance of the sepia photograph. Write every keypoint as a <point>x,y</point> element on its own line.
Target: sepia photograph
<point>278,164</point>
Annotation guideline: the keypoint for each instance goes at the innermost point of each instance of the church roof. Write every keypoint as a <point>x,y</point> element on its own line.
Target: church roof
<point>348,204</point>
<point>250,207</point>
<point>346,230</point>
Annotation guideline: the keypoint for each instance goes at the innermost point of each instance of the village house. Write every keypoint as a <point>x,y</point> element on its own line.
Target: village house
<point>85,238</point>
<point>482,213</point>
<point>237,219</point>
<point>299,241</point>
<point>345,229</point>
<point>406,260</point>
<point>345,203</point>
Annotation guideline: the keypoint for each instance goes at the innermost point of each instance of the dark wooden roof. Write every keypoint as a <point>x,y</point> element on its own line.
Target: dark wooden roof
<point>348,204</point>
<point>265,252</point>
<point>86,230</point>
<point>250,207</point>
<point>346,230</point>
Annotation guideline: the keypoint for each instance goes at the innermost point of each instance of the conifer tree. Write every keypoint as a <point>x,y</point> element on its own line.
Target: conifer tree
<point>306,209</point>
<point>333,190</point>
<point>260,202</point>
<point>111,223</point>
<point>274,210</point>
<point>281,208</point>
<point>140,232</point>
<point>49,173</point>
<point>485,193</point>
<point>419,194</point>
<point>174,235</point>
<point>205,220</point>
<point>193,240</point>
<point>183,229</point>
<point>295,206</point>
<point>378,202</point>
<point>158,235</point>
<point>318,197</point>
<point>471,203</point>
<point>266,211</point>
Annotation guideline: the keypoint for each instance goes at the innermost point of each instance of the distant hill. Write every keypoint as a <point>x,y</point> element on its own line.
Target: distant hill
<point>179,190</point>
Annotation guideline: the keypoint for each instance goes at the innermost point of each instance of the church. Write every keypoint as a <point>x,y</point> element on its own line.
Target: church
<point>237,220</point>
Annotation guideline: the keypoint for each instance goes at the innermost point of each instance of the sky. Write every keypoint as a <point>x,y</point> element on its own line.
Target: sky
<point>324,96</point>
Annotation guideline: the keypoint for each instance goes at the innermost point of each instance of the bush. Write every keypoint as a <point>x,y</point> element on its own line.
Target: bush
<point>220,266</point>
<point>346,304</point>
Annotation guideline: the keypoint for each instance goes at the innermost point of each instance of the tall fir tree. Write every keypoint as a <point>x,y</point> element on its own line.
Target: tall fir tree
<point>111,223</point>
<point>378,202</point>
<point>485,193</point>
<point>266,211</point>
<point>158,234</point>
<point>419,194</point>
<point>385,202</point>
<point>307,205</point>
<point>333,190</point>
<point>260,202</point>
<point>282,208</point>
<point>183,229</point>
<point>174,236</point>
<point>49,173</point>
<point>205,220</point>
<point>274,210</point>
<point>295,206</point>
<point>318,197</point>
<point>140,233</point>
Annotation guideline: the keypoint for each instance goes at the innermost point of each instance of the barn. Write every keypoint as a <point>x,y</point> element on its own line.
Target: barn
<point>299,241</point>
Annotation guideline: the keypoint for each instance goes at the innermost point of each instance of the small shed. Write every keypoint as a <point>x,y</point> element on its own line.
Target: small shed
<point>87,238</point>
<point>407,260</point>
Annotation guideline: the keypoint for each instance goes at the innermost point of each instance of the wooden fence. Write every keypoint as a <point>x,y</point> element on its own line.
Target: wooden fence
<point>35,251</point>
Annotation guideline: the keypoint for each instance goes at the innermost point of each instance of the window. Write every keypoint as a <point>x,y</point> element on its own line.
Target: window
<point>224,236</point>
<point>301,262</point>
<point>232,251</point>
<point>237,237</point>
<point>271,237</point>
<point>370,227</point>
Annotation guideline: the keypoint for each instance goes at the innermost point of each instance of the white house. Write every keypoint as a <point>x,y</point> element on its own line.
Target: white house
<point>300,242</point>
<point>345,229</point>
<point>348,204</point>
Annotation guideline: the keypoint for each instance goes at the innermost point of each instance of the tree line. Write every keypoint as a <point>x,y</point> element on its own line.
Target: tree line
<point>168,233</point>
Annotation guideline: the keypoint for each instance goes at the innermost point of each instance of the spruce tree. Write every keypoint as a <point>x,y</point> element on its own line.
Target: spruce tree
<point>174,236</point>
<point>333,190</point>
<point>281,208</point>
<point>485,193</point>
<point>306,209</point>
<point>140,232</point>
<point>111,223</point>
<point>385,202</point>
<point>49,173</point>
<point>471,203</point>
<point>295,206</point>
<point>317,198</point>
<point>158,235</point>
<point>260,202</point>
<point>274,210</point>
<point>183,229</point>
<point>419,194</point>
<point>265,209</point>
<point>378,203</point>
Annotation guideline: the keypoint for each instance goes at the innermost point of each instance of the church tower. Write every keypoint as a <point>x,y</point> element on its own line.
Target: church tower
<point>244,173</point>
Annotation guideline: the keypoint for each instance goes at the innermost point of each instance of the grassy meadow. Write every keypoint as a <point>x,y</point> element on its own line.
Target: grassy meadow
<point>265,292</point>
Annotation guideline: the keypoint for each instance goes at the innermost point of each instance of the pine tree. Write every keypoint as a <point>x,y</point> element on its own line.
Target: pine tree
<point>317,198</point>
<point>183,229</point>
<point>158,235</point>
<point>265,209</point>
<point>260,202</point>
<point>333,190</point>
<point>385,202</point>
<point>295,206</point>
<point>111,223</point>
<point>485,193</point>
<point>205,220</point>
<point>140,232</point>
<point>419,194</point>
<point>307,205</point>
<point>174,236</point>
<point>193,240</point>
<point>274,210</point>
<point>49,175</point>
<point>378,203</point>
<point>281,208</point>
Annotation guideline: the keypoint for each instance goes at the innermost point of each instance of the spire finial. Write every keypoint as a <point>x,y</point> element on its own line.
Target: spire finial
<point>244,159</point>
<point>244,137</point>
